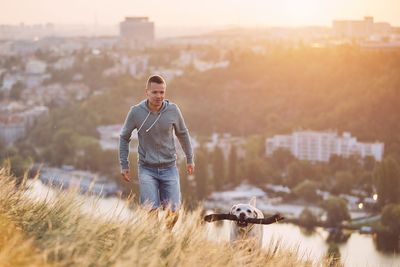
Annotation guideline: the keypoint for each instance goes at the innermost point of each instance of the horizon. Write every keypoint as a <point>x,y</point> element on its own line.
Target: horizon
<point>207,14</point>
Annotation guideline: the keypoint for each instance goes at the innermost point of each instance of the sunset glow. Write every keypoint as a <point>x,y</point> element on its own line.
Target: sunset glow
<point>199,13</point>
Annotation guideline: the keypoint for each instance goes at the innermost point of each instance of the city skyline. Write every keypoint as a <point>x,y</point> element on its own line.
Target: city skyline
<point>265,13</point>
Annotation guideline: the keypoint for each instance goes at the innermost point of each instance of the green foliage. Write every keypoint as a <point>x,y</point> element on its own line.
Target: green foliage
<point>256,171</point>
<point>281,158</point>
<point>232,166</point>
<point>306,190</point>
<point>387,181</point>
<point>63,147</point>
<point>218,168</point>
<point>299,171</point>
<point>321,96</point>
<point>307,219</point>
<point>337,211</point>
<point>342,182</point>
<point>369,163</point>
<point>391,218</point>
<point>239,100</point>
<point>188,189</point>
<point>16,90</point>
<point>201,174</point>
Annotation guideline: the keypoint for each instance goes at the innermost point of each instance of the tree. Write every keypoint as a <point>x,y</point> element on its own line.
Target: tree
<point>336,209</point>
<point>187,188</point>
<point>256,171</point>
<point>16,90</point>
<point>218,166</point>
<point>391,218</point>
<point>387,181</point>
<point>281,158</point>
<point>369,163</point>
<point>342,182</point>
<point>87,153</point>
<point>307,218</point>
<point>299,171</point>
<point>201,173</point>
<point>336,163</point>
<point>63,147</point>
<point>306,190</point>
<point>232,166</point>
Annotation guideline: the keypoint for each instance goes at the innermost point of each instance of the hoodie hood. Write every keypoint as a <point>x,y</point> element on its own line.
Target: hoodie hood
<point>144,105</point>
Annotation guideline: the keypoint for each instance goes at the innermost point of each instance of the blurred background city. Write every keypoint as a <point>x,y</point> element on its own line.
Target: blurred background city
<point>295,102</point>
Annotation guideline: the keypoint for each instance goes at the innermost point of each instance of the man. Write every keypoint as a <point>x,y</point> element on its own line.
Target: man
<point>155,120</point>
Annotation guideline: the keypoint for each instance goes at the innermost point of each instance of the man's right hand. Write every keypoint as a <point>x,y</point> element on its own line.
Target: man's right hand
<point>126,175</point>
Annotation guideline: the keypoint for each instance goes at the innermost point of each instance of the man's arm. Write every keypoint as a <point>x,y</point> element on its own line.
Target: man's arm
<point>124,139</point>
<point>182,133</point>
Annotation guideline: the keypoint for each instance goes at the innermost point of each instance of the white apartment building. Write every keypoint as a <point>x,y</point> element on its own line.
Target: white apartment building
<point>320,146</point>
<point>360,28</point>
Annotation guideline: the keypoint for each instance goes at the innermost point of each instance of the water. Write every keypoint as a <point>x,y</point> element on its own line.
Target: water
<point>358,250</point>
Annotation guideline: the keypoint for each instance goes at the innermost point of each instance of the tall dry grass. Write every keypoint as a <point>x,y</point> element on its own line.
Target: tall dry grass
<point>54,231</point>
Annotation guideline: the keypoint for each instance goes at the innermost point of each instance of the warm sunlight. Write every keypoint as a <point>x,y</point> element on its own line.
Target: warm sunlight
<point>199,133</point>
<point>302,12</point>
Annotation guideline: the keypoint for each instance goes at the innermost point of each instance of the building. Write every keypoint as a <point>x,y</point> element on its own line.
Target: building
<point>12,128</point>
<point>320,146</point>
<point>35,67</point>
<point>15,123</point>
<point>109,137</point>
<point>136,31</point>
<point>225,142</point>
<point>85,181</point>
<point>360,28</point>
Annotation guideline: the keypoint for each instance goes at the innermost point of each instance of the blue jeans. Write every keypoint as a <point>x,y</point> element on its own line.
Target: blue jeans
<point>159,186</point>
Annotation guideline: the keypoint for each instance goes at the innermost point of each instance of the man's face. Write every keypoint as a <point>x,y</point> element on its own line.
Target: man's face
<point>156,94</point>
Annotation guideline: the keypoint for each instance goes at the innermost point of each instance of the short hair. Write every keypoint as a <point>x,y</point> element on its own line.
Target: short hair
<point>155,79</point>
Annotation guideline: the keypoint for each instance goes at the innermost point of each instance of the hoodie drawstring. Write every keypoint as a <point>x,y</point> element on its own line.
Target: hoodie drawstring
<point>144,122</point>
<point>153,123</point>
<point>151,126</point>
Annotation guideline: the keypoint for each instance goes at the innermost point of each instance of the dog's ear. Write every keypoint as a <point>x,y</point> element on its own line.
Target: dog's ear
<point>253,201</point>
<point>230,212</point>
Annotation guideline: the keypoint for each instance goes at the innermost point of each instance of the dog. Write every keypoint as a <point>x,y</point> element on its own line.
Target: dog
<point>241,230</point>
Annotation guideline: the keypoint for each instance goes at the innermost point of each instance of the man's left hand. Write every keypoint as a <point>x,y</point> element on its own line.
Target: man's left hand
<point>190,168</point>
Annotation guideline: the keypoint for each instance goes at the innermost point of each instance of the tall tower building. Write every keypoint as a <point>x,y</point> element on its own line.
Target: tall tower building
<point>136,31</point>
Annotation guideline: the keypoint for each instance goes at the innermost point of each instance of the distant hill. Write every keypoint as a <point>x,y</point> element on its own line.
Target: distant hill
<point>342,88</point>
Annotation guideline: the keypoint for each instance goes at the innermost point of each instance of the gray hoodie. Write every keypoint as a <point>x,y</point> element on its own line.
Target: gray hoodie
<point>155,133</point>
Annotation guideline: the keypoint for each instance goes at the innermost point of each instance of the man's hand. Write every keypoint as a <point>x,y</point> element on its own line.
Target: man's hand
<point>190,168</point>
<point>126,175</point>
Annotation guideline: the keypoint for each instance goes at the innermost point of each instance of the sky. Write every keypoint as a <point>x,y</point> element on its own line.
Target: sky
<point>198,13</point>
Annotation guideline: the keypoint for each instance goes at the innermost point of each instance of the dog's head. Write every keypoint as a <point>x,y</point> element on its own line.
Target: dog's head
<point>244,211</point>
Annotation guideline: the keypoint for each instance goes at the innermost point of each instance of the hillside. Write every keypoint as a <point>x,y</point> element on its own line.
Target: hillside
<point>54,232</point>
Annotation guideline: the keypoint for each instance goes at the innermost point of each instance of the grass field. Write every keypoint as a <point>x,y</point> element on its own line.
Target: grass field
<point>55,232</point>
